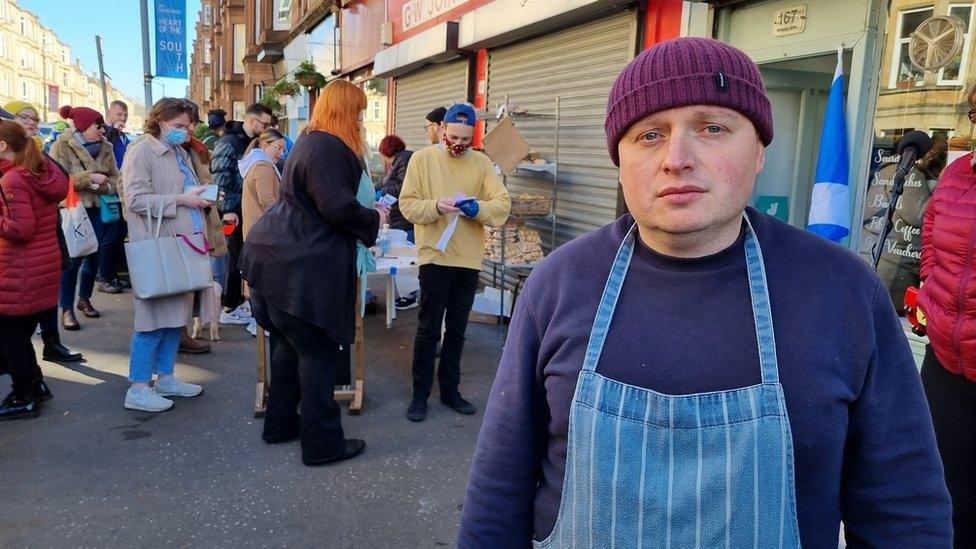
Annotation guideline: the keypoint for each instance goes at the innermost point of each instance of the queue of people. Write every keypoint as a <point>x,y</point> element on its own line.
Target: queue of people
<point>660,380</point>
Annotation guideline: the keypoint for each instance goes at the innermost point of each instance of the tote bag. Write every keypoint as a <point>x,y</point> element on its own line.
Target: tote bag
<point>168,265</point>
<point>79,234</point>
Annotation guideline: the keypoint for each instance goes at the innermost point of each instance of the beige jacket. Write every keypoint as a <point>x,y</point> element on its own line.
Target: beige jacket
<point>68,152</point>
<point>262,188</point>
<point>151,178</point>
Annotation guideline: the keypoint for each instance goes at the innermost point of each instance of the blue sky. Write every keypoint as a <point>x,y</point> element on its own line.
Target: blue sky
<point>118,23</point>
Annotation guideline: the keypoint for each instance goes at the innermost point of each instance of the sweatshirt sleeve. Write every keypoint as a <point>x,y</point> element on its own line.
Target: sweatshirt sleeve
<point>496,204</point>
<point>223,168</point>
<point>17,219</point>
<point>415,206</point>
<point>507,464</point>
<point>893,489</point>
<point>326,177</point>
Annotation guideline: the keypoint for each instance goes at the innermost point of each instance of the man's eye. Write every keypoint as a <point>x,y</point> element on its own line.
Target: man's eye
<point>649,136</point>
<point>714,128</point>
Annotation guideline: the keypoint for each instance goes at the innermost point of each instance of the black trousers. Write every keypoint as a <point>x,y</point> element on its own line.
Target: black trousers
<point>17,356</point>
<point>234,292</point>
<point>303,370</point>
<point>442,290</point>
<point>952,400</point>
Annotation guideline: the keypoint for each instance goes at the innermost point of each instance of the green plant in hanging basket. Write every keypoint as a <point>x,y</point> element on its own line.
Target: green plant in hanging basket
<point>270,100</point>
<point>307,75</point>
<point>286,88</point>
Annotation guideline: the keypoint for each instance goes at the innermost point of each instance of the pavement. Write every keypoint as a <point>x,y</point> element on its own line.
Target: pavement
<point>88,473</point>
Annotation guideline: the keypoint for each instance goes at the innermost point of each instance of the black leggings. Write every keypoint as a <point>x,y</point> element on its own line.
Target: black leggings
<point>952,400</point>
<point>17,356</point>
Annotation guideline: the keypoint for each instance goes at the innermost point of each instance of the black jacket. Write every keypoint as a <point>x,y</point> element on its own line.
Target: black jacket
<point>301,254</point>
<point>229,150</point>
<point>392,185</point>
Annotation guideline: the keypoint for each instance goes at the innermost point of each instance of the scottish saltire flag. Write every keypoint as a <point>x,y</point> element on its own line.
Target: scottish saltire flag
<point>830,205</point>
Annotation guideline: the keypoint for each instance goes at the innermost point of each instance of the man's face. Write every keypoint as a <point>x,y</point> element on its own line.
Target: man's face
<point>433,131</point>
<point>458,134</point>
<point>255,124</point>
<point>690,169</point>
<point>117,117</point>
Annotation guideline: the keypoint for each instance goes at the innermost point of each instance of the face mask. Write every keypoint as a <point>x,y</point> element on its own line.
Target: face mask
<point>174,137</point>
<point>455,150</point>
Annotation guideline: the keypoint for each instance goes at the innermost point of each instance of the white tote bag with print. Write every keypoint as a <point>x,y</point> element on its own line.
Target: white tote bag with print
<point>79,235</point>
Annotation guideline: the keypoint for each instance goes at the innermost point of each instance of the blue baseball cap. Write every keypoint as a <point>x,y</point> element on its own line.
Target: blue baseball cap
<point>460,113</point>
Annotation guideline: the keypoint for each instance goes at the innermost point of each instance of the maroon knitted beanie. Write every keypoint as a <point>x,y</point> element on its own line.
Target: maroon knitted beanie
<point>82,116</point>
<point>682,72</point>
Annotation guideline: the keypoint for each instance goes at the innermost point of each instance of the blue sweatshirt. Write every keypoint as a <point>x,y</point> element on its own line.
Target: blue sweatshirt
<point>864,447</point>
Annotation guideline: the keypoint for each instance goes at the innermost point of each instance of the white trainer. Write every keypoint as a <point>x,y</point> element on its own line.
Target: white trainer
<point>146,400</point>
<point>252,328</point>
<point>171,386</point>
<point>234,317</point>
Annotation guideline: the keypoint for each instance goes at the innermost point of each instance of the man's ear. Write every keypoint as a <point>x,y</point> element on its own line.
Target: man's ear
<point>760,157</point>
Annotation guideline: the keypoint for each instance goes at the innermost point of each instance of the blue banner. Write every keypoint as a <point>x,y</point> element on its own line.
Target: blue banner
<point>171,58</point>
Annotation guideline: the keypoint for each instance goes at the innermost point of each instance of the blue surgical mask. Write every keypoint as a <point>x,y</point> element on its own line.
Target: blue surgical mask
<point>174,137</point>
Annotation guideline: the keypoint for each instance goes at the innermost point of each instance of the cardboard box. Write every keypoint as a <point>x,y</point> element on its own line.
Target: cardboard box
<point>505,146</point>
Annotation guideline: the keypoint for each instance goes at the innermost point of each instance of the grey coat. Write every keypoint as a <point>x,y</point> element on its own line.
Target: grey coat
<point>151,177</point>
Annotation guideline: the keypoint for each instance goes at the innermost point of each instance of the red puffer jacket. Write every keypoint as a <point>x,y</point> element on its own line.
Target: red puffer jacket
<point>30,259</point>
<point>948,270</point>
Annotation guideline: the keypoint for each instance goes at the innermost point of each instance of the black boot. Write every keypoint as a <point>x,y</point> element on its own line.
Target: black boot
<point>16,407</point>
<point>54,351</point>
<point>39,391</point>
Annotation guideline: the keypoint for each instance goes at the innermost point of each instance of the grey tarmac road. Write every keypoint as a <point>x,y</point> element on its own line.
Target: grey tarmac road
<point>88,473</point>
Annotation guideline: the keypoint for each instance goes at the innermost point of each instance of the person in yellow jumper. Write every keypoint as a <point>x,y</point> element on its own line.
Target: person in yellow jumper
<point>446,184</point>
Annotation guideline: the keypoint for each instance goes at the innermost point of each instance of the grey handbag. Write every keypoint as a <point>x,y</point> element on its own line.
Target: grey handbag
<point>168,265</point>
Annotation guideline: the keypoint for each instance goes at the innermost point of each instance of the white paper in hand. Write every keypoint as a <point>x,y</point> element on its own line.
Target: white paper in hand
<point>451,224</point>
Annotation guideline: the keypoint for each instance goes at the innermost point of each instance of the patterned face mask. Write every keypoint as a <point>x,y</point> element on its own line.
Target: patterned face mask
<point>455,150</point>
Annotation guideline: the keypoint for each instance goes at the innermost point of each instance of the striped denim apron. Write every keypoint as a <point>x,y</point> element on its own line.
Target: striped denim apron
<point>645,469</point>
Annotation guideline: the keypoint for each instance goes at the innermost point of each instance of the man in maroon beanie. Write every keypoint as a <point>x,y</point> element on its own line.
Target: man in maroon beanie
<point>696,373</point>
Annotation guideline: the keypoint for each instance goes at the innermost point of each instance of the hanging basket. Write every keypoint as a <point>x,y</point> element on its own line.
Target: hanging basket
<point>310,80</point>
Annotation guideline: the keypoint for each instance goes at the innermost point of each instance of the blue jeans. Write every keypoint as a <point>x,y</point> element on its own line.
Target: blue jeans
<point>109,247</point>
<point>219,267</point>
<point>87,266</point>
<point>153,352</point>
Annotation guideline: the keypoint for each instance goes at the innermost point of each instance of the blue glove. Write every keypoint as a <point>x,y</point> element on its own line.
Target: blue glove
<point>379,193</point>
<point>469,209</point>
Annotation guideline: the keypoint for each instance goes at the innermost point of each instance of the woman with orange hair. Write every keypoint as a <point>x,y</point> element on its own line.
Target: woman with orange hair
<point>299,261</point>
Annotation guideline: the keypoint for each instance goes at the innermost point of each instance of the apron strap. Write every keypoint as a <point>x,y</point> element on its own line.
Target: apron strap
<point>762,313</point>
<point>608,303</point>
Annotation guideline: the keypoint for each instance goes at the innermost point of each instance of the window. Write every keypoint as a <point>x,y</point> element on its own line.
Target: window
<point>3,10</point>
<point>23,58</point>
<point>238,110</point>
<point>64,55</point>
<point>282,14</point>
<point>23,91</point>
<point>239,48</point>
<point>257,21</point>
<point>3,44</point>
<point>207,15</point>
<point>23,25</point>
<point>220,61</point>
<point>376,110</point>
<point>207,88</point>
<point>206,51</point>
<point>64,79</point>
<point>952,74</point>
<point>903,74</point>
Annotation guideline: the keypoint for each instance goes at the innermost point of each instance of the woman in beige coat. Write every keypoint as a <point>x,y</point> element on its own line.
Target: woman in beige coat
<point>87,156</point>
<point>158,173</point>
<point>262,181</point>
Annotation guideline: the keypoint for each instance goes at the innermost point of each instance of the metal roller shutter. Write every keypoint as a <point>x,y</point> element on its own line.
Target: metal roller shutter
<point>579,66</point>
<point>421,92</point>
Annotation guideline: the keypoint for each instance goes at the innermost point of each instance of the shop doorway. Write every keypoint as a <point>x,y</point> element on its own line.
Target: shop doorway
<point>798,90</point>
